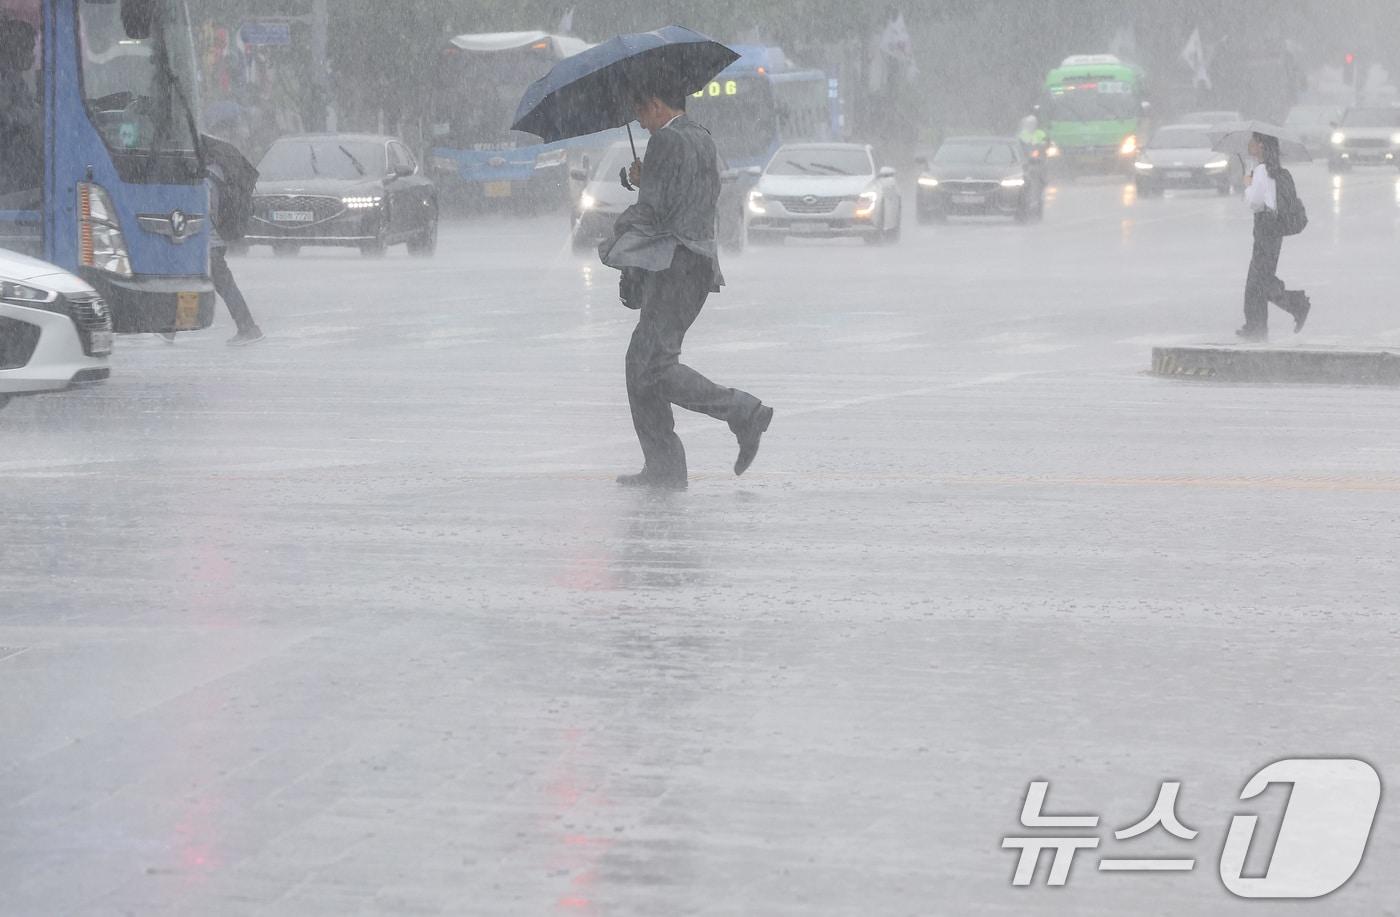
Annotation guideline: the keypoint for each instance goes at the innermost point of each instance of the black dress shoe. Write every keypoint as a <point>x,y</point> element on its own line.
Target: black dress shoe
<point>657,481</point>
<point>1301,307</point>
<point>750,436</point>
<point>1255,335</point>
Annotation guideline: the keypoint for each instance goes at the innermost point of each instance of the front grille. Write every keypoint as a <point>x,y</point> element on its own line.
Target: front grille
<point>809,204</point>
<point>1367,143</point>
<point>321,208</point>
<point>91,315</point>
<point>971,187</point>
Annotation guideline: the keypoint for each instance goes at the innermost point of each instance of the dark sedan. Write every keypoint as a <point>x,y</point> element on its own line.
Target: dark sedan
<point>357,190</point>
<point>985,176</point>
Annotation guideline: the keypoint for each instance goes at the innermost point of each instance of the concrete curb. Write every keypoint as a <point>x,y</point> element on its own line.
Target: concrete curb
<point>1226,363</point>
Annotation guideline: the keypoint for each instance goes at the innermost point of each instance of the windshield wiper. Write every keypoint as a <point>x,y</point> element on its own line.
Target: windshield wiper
<point>315,166</point>
<point>829,168</point>
<point>358,168</point>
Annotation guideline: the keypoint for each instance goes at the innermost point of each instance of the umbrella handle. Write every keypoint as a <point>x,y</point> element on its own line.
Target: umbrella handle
<point>631,141</point>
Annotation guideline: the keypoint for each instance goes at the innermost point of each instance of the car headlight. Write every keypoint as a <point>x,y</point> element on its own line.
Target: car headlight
<point>928,181</point>
<point>364,202</point>
<point>101,245</point>
<point>1052,151</point>
<point>865,204</point>
<point>22,294</point>
<point>1129,146</point>
<point>587,201</point>
<point>1216,165</point>
<point>1013,182</point>
<point>1143,166</point>
<point>1338,138</point>
<point>756,203</point>
<point>1395,139</point>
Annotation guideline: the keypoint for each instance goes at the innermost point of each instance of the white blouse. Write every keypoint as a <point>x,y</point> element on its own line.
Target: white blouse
<point>1262,193</point>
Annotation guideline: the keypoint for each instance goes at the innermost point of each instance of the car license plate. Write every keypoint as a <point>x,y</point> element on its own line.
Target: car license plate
<point>101,342</point>
<point>970,198</point>
<point>186,311</point>
<point>1179,175</point>
<point>808,226</point>
<point>498,189</point>
<point>293,216</point>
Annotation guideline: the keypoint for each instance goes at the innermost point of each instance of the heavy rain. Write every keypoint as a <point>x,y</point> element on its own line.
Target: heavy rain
<point>670,458</point>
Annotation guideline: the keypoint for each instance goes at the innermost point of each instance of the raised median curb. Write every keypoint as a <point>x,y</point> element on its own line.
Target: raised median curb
<point>1315,365</point>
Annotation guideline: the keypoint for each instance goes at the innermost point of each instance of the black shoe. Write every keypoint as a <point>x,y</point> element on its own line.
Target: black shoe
<point>1301,307</point>
<point>1256,335</point>
<point>750,436</point>
<point>646,478</point>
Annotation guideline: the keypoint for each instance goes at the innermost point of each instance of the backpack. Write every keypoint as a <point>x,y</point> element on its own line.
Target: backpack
<point>235,179</point>
<point>1292,215</point>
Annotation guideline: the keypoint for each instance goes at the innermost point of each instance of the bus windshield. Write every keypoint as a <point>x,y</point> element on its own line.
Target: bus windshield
<point>477,94</point>
<point>1095,102</point>
<point>138,73</point>
<point>21,108</point>
<point>739,113</point>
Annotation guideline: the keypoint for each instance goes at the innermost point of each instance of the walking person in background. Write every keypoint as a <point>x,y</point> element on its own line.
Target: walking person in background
<point>222,210</point>
<point>665,247</point>
<point>1263,188</point>
<point>231,179</point>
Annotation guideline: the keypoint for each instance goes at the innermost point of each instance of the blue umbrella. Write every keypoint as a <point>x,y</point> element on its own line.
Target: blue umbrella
<point>590,91</point>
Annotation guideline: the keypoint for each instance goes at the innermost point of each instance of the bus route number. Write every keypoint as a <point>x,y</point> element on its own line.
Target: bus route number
<point>716,88</point>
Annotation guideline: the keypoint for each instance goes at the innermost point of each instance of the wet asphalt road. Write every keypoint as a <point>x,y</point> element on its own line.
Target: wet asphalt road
<point>357,622</point>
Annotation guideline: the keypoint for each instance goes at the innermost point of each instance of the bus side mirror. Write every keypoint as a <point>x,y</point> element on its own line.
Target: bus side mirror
<point>138,18</point>
<point>402,170</point>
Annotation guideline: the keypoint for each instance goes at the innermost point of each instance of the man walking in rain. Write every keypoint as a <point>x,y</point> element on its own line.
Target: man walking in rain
<point>665,246</point>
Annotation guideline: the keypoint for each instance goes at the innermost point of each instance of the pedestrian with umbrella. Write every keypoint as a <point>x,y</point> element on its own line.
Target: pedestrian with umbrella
<point>665,243</point>
<point>1278,212</point>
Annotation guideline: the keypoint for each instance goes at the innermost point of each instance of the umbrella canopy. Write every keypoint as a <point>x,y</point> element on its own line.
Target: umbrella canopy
<point>589,92</point>
<point>1235,137</point>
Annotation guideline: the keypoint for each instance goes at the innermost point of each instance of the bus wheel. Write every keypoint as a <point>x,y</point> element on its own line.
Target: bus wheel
<point>286,249</point>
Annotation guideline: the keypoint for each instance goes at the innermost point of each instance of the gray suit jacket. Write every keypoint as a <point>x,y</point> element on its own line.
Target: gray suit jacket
<point>676,206</point>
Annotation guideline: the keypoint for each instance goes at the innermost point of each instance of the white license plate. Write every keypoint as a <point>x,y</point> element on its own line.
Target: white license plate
<point>498,189</point>
<point>809,227</point>
<point>293,216</point>
<point>101,342</point>
<point>970,198</point>
<point>1179,175</point>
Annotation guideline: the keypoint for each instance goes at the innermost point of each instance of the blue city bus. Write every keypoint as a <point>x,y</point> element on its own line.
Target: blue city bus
<point>762,101</point>
<point>475,157</point>
<point>100,167</point>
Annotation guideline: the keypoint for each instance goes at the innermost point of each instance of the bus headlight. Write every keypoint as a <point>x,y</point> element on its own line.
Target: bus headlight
<point>1338,138</point>
<point>101,245</point>
<point>756,203</point>
<point>1052,151</point>
<point>1129,147</point>
<point>551,159</point>
<point>865,204</point>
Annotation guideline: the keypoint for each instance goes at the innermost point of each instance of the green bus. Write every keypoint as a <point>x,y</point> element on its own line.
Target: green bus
<point>1096,112</point>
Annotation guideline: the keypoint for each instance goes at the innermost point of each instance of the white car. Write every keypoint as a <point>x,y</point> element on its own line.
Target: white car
<point>55,331</point>
<point>825,190</point>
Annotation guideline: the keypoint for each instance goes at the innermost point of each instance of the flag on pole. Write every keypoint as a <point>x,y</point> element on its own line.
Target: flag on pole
<point>1194,55</point>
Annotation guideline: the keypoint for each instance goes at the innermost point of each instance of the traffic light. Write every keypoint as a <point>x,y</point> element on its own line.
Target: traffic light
<point>1349,69</point>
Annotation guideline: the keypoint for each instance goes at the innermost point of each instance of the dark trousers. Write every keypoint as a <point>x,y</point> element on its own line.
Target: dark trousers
<point>656,378</point>
<point>1262,285</point>
<point>228,291</point>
